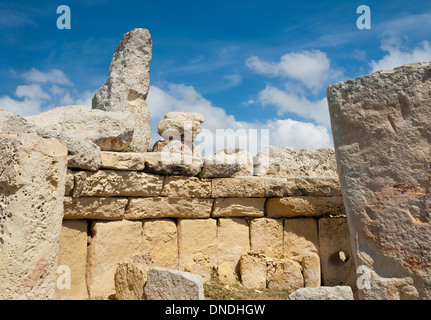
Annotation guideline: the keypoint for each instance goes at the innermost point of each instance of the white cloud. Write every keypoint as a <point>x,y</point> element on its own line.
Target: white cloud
<point>26,107</point>
<point>32,92</point>
<point>397,57</point>
<point>292,103</point>
<point>312,68</point>
<point>53,76</point>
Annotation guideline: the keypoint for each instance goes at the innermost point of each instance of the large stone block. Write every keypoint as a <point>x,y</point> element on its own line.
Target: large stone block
<point>160,239</point>
<point>111,242</point>
<point>253,270</point>
<point>239,207</point>
<point>198,247</point>
<point>184,126</point>
<point>284,274</point>
<point>132,161</point>
<point>228,162</point>
<point>32,186</point>
<point>304,206</point>
<point>94,208</point>
<point>381,124</point>
<point>174,164</point>
<point>186,187</point>
<point>161,207</point>
<point>323,293</point>
<point>72,261</point>
<point>109,183</point>
<point>267,235</point>
<point>239,187</point>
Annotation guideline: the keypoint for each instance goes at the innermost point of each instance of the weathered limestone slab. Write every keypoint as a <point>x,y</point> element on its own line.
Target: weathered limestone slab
<point>110,183</point>
<point>313,187</point>
<point>161,207</point>
<point>72,261</point>
<point>11,123</point>
<point>111,242</point>
<point>301,244</point>
<point>198,247</point>
<point>94,208</point>
<point>253,270</point>
<point>267,235</point>
<point>304,206</point>
<point>160,239</point>
<point>132,161</point>
<point>226,274</point>
<point>178,147</point>
<point>338,267</point>
<point>166,284</point>
<point>128,83</point>
<point>284,274</point>
<point>184,126</point>
<point>130,277</point>
<point>323,293</point>
<point>239,207</point>
<point>70,183</point>
<point>32,185</point>
<point>381,124</point>
<point>228,162</point>
<point>233,240</point>
<point>186,187</point>
<point>173,164</point>
<point>239,187</point>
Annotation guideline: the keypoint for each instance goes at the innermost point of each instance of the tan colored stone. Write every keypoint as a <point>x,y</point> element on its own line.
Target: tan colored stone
<point>186,187</point>
<point>32,186</point>
<point>94,208</point>
<point>160,207</point>
<point>267,235</point>
<point>240,187</point>
<point>72,261</point>
<point>313,187</point>
<point>284,274</point>
<point>233,240</point>
<point>239,207</point>
<point>253,270</point>
<point>338,267</point>
<point>132,161</point>
<point>304,206</point>
<point>109,183</point>
<point>161,241</point>
<point>311,271</point>
<point>130,277</point>
<point>111,242</point>
<point>226,274</point>
<point>70,183</point>
<point>228,162</point>
<point>197,244</point>
<point>276,187</point>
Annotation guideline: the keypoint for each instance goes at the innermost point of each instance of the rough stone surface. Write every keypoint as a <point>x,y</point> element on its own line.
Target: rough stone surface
<point>198,247</point>
<point>94,208</point>
<point>239,187</point>
<point>304,206</point>
<point>253,270</point>
<point>322,293</point>
<point>381,124</point>
<point>162,207</point>
<point>166,284</point>
<point>72,254</point>
<point>177,146</point>
<point>313,187</point>
<point>32,185</point>
<point>173,164</point>
<point>184,126</point>
<point>286,162</point>
<point>130,277</point>
<point>128,83</point>
<point>228,162</point>
<point>284,274</point>
<point>132,161</point>
<point>226,274</point>
<point>239,207</point>
<point>11,123</point>
<point>109,183</point>
<point>161,241</point>
<point>111,242</point>
<point>70,183</point>
<point>267,235</point>
<point>186,187</point>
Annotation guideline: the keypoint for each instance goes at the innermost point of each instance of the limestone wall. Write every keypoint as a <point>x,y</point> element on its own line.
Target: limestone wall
<point>294,227</point>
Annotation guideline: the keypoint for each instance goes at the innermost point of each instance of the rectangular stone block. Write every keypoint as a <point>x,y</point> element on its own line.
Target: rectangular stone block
<point>197,244</point>
<point>111,242</point>
<point>239,207</point>
<point>304,206</point>
<point>72,261</point>
<point>96,208</point>
<point>186,187</point>
<point>160,207</point>
<point>160,239</point>
<point>276,187</point>
<point>267,235</point>
<point>233,240</point>
<point>241,187</point>
<point>314,187</point>
<point>110,183</point>
<point>70,183</point>
<point>133,161</point>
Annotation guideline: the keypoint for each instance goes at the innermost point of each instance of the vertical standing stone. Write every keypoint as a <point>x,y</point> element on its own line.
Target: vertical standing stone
<point>381,126</point>
<point>128,83</point>
<point>32,185</point>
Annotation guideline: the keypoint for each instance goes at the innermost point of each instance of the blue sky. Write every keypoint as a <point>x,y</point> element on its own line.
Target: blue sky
<point>243,64</point>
